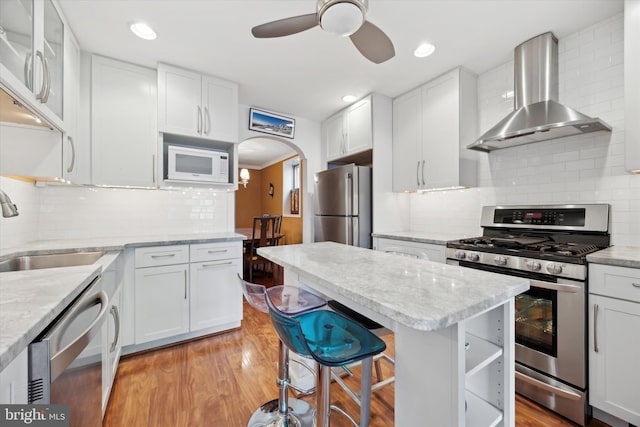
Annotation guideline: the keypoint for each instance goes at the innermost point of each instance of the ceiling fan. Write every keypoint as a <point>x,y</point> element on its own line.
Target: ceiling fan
<point>341,17</point>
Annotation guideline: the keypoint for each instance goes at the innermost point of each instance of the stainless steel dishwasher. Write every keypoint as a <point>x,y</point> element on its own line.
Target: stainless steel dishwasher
<point>65,362</point>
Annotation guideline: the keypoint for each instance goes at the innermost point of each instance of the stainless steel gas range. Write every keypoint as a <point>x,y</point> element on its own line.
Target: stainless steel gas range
<point>547,244</point>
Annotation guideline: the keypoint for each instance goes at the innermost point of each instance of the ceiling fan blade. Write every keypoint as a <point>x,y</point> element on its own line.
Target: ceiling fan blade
<point>286,26</point>
<point>373,43</point>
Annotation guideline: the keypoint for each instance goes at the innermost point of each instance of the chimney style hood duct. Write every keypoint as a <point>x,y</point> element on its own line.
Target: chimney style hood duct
<point>537,116</point>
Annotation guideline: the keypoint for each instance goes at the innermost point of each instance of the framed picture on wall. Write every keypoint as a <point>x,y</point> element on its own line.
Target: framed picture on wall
<point>262,121</point>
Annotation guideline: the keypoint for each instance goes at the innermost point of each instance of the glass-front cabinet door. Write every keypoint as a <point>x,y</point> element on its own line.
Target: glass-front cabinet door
<point>52,52</point>
<point>16,39</point>
<point>32,52</point>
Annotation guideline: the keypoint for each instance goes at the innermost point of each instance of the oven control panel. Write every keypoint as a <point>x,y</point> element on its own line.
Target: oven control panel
<point>506,262</point>
<point>574,217</point>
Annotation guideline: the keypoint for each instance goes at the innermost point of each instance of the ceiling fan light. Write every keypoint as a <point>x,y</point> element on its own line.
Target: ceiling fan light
<point>342,19</point>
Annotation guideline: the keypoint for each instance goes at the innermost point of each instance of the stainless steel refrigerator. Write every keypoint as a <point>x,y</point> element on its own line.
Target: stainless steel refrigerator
<point>343,205</point>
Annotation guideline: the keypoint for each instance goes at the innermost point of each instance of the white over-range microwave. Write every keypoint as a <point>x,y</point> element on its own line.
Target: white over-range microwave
<point>197,164</point>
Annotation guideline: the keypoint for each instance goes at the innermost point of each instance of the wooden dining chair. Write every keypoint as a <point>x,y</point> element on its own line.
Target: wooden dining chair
<point>263,234</point>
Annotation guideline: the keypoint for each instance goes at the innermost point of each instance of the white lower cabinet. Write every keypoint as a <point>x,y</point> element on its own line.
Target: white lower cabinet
<point>112,346</point>
<point>216,297</point>
<point>614,348</point>
<point>13,381</point>
<point>176,299</point>
<point>426,251</point>
<point>161,302</point>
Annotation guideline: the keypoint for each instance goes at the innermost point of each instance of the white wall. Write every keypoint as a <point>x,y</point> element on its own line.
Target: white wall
<point>578,169</point>
<point>307,142</point>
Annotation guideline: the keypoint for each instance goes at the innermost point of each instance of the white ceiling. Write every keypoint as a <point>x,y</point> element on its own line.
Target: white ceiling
<point>306,74</point>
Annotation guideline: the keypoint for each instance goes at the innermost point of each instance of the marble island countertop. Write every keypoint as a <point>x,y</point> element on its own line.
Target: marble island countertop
<point>30,300</point>
<point>420,294</point>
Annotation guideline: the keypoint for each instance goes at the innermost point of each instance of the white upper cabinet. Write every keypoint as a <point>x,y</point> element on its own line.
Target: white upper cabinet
<point>632,84</point>
<point>196,105</point>
<point>32,55</point>
<point>350,131</point>
<point>75,149</point>
<point>123,123</point>
<point>432,125</point>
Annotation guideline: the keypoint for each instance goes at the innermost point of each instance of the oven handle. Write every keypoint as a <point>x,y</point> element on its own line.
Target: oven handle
<point>560,287</point>
<point>547,387</point>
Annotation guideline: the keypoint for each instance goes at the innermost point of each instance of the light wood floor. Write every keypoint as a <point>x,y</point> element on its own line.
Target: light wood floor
<point>218,381</point>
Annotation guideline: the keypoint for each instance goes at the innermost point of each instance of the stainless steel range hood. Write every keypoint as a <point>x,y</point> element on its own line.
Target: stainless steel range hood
<point>537,116</point>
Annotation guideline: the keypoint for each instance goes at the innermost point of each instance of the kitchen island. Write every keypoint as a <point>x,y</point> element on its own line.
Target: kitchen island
<point>435,311</point>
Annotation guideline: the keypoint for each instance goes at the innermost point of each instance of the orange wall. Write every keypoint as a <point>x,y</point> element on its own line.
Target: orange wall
<point>255,201</point>
<point>248,200</point>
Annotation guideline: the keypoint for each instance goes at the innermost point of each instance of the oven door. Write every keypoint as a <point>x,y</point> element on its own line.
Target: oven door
<point>550,324</point>
<point>550,329</point>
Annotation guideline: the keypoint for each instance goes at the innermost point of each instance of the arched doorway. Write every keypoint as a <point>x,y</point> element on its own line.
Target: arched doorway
<point>276,183</point>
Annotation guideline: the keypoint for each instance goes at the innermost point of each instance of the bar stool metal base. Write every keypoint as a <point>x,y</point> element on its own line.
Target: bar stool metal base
<point>300,414</point>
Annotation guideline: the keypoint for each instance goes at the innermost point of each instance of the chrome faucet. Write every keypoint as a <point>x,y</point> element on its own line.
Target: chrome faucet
<point>8,208</point>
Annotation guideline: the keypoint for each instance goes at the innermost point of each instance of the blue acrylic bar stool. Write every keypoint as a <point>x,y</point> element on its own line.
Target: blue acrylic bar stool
<point>283,411</point>
<point>332,340</point>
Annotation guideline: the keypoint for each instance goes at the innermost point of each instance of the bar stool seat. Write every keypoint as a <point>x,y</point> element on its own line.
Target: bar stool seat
<point>331,339</point>
<point>283,411</point>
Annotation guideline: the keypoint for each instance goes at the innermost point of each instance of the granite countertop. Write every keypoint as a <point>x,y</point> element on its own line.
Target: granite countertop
<point>420,294</point>
<point>30,300</point>
<point>622,256</point>
<point>421,236</point>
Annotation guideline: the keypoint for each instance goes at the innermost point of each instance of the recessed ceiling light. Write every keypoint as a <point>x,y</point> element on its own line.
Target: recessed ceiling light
<point>143,31</point>
<point>349,98</point>
<point>424,50</point>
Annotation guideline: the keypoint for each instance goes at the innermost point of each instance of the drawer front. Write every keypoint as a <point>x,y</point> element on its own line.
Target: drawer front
<point>614,281</point>
<point>162,255</point>
<point>215,251</point>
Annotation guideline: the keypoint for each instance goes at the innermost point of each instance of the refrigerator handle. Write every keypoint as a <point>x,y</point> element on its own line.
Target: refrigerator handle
<point>348,195</point>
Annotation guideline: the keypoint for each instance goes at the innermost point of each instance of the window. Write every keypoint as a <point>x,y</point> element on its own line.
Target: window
<point>291,187</point>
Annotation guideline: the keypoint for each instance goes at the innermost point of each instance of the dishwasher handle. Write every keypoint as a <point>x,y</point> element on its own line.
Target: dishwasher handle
<point>65,356</point>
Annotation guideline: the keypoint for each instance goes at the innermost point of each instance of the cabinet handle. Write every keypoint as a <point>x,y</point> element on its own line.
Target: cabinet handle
<point>28,81</point>
<point>73,154</point>
<point>207,121</point>
<point>153,168</point>
<point>595,328</point>
<point>40,95</point>
<point>185,284</point>
<point>116,319</point>
<point>635,285</point>
<point>423,161</point>
<point>47,80</point>
<point>219,251</point>
<point>199,119</point>
<point>418,174</point>
<point>163,256</point>
<point>217,264</point>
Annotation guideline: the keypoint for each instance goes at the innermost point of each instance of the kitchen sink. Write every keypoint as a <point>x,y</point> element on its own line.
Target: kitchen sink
<point>35,262</point>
